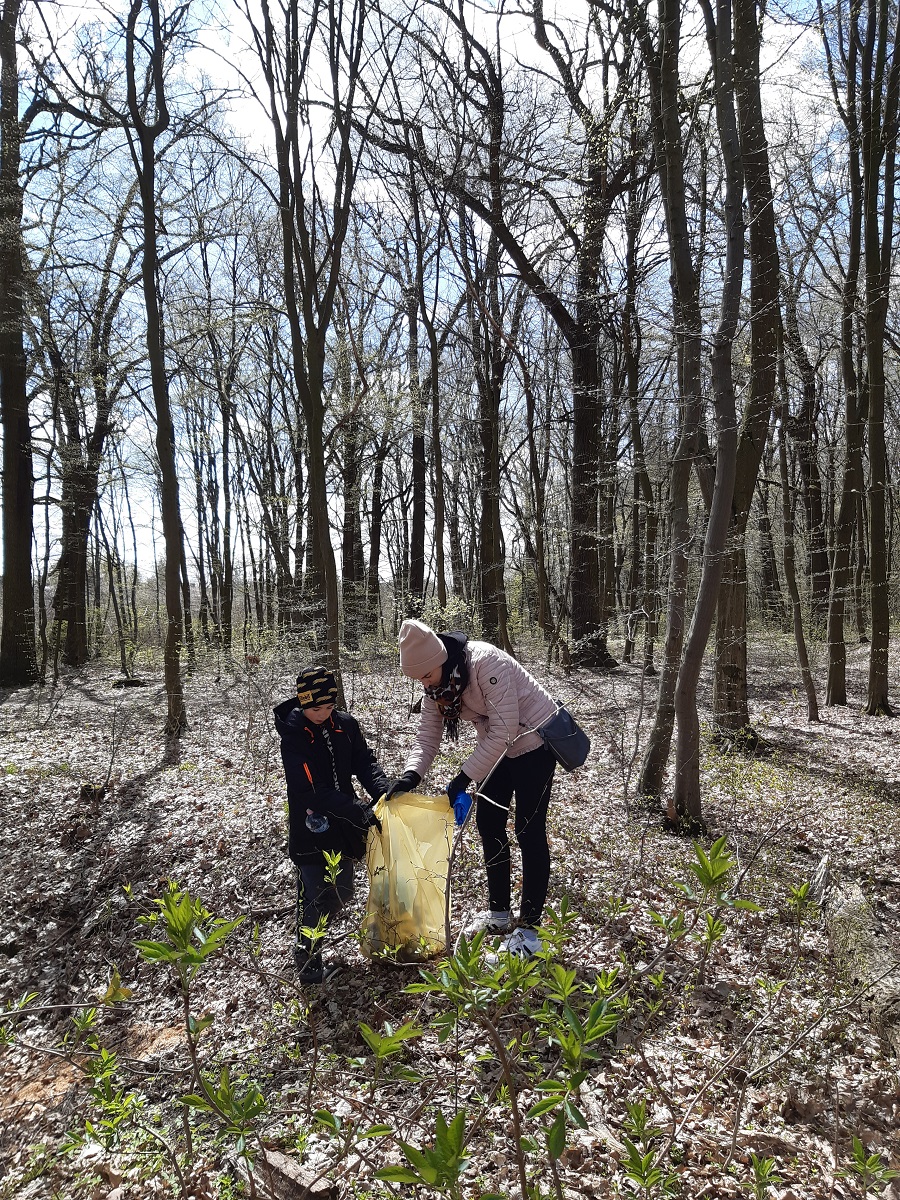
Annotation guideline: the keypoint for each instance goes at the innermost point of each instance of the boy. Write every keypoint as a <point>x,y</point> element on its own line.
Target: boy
<point>322,749</point>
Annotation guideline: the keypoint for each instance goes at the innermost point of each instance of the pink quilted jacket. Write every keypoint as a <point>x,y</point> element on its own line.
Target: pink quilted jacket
<point>503,702</point>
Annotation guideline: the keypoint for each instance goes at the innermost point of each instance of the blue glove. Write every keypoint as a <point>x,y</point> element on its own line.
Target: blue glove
<point>459,797</point>
<point>461,806</point>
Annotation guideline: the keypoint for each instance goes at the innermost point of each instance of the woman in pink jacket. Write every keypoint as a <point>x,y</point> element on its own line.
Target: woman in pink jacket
<point>474,681</point>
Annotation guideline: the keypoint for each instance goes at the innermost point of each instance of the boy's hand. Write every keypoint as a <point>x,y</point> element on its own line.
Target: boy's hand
<point>371,819</point>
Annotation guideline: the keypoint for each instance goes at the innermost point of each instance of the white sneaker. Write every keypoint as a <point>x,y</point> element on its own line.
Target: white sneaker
<point>491,923</point>
<point>521,943</point>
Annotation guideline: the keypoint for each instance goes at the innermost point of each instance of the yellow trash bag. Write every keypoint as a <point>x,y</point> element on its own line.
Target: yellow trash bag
<point>408,864</point>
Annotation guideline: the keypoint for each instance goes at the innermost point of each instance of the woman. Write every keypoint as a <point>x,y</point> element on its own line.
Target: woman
<point>474,681</point>
<point>322,749</point>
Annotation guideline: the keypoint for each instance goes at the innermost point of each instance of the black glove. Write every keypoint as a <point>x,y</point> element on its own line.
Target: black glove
<point>459,783</point>
<point>407,782</point>
<point>371,819</point>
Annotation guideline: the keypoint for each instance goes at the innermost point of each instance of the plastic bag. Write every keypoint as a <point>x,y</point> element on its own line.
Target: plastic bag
<point>408,863</point>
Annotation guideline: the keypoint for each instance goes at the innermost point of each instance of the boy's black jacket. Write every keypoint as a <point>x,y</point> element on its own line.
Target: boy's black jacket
<point>310,772</point>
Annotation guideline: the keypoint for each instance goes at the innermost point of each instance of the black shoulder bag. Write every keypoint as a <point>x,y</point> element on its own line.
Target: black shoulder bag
<point>565,739</point>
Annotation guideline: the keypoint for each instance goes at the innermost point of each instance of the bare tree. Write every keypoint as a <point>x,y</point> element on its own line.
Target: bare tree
<point>148,114</point>
<point>314,224</point>
<point>460,166</point>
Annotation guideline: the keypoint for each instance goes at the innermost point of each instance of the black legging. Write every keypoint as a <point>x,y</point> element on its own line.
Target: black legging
<point>530,777</point>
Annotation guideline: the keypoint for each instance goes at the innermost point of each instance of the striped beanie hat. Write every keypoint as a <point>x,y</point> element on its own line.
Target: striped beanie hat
<point>315,686</point>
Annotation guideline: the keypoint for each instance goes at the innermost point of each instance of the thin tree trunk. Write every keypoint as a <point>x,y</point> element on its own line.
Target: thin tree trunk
<point>416,577</point>
<point>145,162</point>
<point>730,700</point>
<point>861,574</point>
<point>788,558</point>
<point>854,393</point>
<point>803,434</point>
<point>18,655</point>
<point>772,601</point>
<point>663,71</point>
<point>687,800</point>
<point>880,98</point>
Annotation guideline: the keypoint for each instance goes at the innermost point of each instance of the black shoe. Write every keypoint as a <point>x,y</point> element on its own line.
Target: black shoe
<point>309,966</point>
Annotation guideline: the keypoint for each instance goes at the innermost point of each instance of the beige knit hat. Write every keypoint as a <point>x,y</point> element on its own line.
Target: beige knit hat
<point>421,650</point>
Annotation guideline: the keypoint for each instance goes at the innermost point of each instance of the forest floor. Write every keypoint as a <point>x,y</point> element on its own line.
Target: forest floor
<point>746,1041</point>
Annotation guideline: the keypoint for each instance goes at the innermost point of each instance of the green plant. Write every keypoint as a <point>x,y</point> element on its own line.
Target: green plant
<point>800,902</point>
<point>439,1166</point>
<point>643,1170</point>
<point>237,1110</point>
<point>192,934</point>
<point>711,871</point>
<point>673,926</point>
<point>764,1176</point>
<point>550,1003</point>
<point>641,1163</point>
<point>117,1121</point>
<point>12,1014</point>
<point>332,865</point>
<point>37,1163</point>
<point>867,1168</point>
<point>386,1045</point>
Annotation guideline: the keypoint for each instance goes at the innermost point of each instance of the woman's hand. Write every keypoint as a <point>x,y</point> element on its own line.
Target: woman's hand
<point>407,782</point>
<point>459,796</point>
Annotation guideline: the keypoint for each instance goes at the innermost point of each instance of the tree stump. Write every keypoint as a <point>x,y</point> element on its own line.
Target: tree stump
<point>280,1177</point>
<point>863,951</point>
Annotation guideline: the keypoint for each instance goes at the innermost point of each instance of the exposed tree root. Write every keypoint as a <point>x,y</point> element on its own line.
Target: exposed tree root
<point>684,825</point>
<point>739,741</point>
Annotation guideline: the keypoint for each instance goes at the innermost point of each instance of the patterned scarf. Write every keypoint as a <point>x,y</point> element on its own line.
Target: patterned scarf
<point>448,694</point>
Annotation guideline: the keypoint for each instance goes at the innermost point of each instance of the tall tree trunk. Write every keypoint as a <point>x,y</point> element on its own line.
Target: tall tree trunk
<point>686,801</point>
<point>486,321</point>
<point>311,256</point>
<point>490,354</point>
<point>18,652</point>
<point>145,162</point>
<point>861,574</point>
<point>80,457</point>
<point>803,434</point>
<point>880,97</point>
<point>376,518</point>
<point>416,586</point>
<point>643,575</point>
<point>790,576</point>
<point>352,567</point>
<point>731,712</point>
<point>634,571</point>
<point>79,495</point>
<point>437,453</point>
<point>663,71</point>
<point>771,599</point>
<point>854,393</point>
<point>437,468</point>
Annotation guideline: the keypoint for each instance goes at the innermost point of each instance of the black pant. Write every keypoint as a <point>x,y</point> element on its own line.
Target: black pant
<point>317,898</point>
<point>529,777</point>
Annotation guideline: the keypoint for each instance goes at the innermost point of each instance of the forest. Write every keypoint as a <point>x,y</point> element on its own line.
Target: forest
<point>571,325</point>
